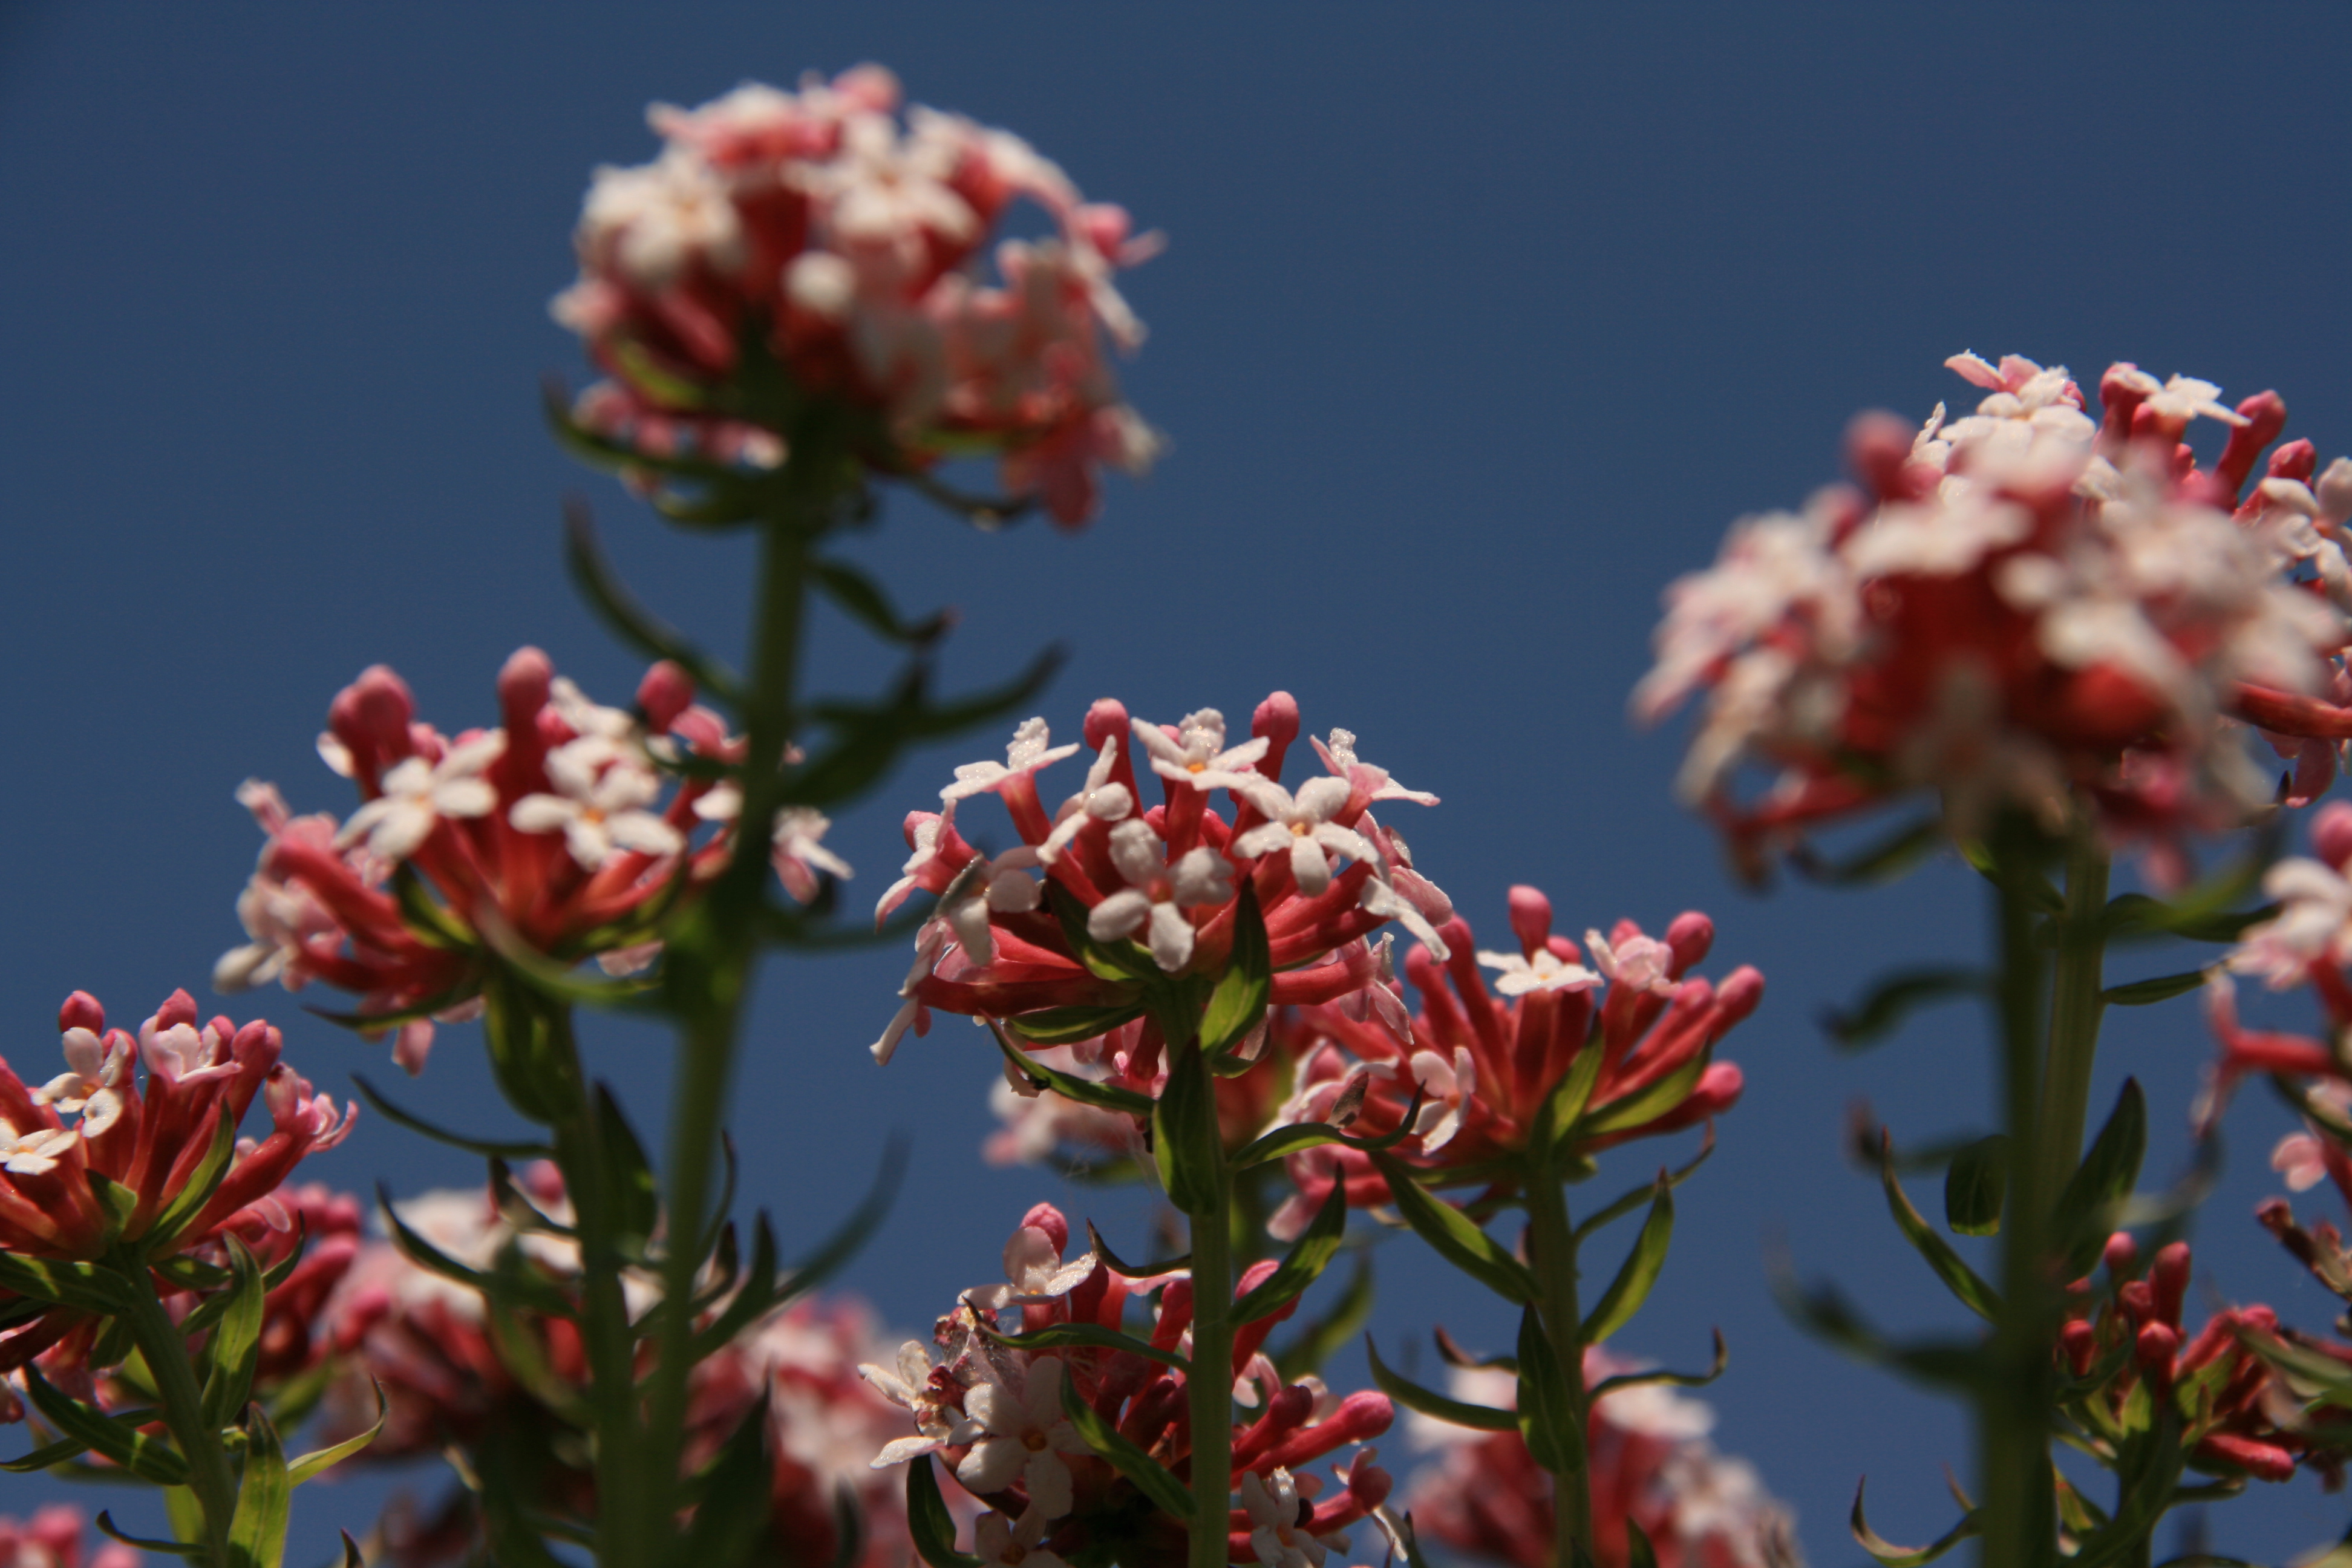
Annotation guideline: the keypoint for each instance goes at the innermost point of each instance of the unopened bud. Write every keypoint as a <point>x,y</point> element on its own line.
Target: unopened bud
<point>2154,1349</point>
<point>1530,920</point>
<point>178,1008</point>
<point>1276,719</point>
<point>1877,446</point>
<point>2295,460</point>
<point>2331,833</point>
<point>1104,720</point>
<point>666,692</point>
<point>82,1011</point>
<point>523,686</point>
<point>1741,990</point>
<point>2122,1254</point>
<point>2168,1278</point>
<point>1048,1219</point>
<point>2079,1343</point>
<point>1690,937</point>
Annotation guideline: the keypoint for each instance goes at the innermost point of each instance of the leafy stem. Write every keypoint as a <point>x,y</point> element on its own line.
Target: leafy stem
<point>1551,1241</point>
<point>164,1348</point>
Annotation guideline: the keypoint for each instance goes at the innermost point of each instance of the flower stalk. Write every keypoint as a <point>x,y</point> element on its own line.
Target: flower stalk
<point>1551,1245</point>
<point>182,1400</point>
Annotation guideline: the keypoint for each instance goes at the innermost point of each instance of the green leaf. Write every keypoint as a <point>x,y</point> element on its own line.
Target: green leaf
<point>265,1496</point>
<point>1886,1004</point>
<point>1958,1279</point>
<point>752,1301</point>
<point>1638,1273</point>
<point>82,1285</point>
<point>628,1179</point>
<point>1067,1025</point>
<point>190,1200</point>
<point>1546,1410</point>
<point>1627,1201</point>
<point>486,1148</point>
<point>1820,1308</point>
<point>2145,992</point>
<point>1608,1386</point>
<point>320,1459</point>
<point>928,1519</point>
<point>1125,1271</point>
<point>2100,1186</point>
<point>234,1350</point>
<point>1643,1105</point>
<point>1429,1402</point>
<point>147,1457</point>
<point>626,618</point>
<point>859,596</point>
<point>351,1558</point>
<point>56,1453</point>
<point>1303,1264</point>
<point>1324,1337</point>
<point>1882,861</point>
<point>1976,1186</point>
<point>1087,1336</point>
<point>107,1527</point>
<point>2202,913</point>
<point>117,1202</point>
<point>1300,1135</point>
<point>1150,1476</point>
<point>871,735</point>
<point>731,1514</point>
<point>1455,1237</point>
<point>1890,1555</point>
<point>1238,1003</point>
<point>1084,1091</point>
<point>1639,1552</point>
<point>1565,1105</point>
<point>1185,1143</point>
<point>2148,1492</point>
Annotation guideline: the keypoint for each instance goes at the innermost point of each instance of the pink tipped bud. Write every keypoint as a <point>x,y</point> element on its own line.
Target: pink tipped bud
<point>1105,225</point>
<point>82,1011</point>
<point>1741,990</point>
<point>2080,1344</point>
<point>1530,920</point>
<point>1362,1416</point>
<point>2122,1256</point>
<point>1718,1090</point>
<point>1691,937</point>
<point>1877,448</point>
<point>2168,1281</point>
<point>2295,460</point>
<point>2154,1349</point>
<point>1106,719</point>
<point>2263,1461</point>
<point>178,1008</point>
<point>1291,1407</point>
<point>2331,834</point>
<point>376,708</point>
<point>1048,1219</point>
<point>2138,1300</point>
<point>666,692</point>
<point>2122,390</point>
<point>2260,1318</point>
<point>1275,722</point>
<point>2265,415</point>
<point>523,686</point>
<point>2275,1215</point>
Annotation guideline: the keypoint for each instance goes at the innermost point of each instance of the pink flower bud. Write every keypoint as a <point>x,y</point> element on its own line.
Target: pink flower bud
<point>1369,1485</point>
<point>1104,720</point>
<point>1691,936</point>
<point>2154,1349</point>
<point>2122,1256</point>
<point>2080,1344</point>
<point>666,692</point>
<point>522,688</point>
<point>2331,834</point>
<point>2169,1280</point>
<point>82,1011</point>
<point>2265,1461</point>
<point>1877,448</point>
<point>1047,1218</point>
<point>1739,995</point>
<point>178,1008</point>
<point>2265,415</point>
<point>1530,920</point>
<point>2295,460</point>
<point>1276,720</point>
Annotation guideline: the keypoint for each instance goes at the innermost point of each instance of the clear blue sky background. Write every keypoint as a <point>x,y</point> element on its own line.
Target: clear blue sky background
<point>1478,324</point>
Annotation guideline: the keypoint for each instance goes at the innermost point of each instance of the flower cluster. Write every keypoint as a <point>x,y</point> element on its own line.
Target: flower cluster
<point>137,1165</point>
<point>1485,1067</point>
<point>995,1413</point>
<point>451,1375</point>
<point>1652,1467</point>
<point>2307,941</point>
<point>549,832</point>
<point>1104,898</point>
<point>53,1539</point>
<point>813,230</point>
<point>2236,1415</point>
<point>2021,603</point>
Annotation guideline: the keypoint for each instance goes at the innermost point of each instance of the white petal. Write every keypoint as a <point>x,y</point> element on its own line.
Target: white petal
<point>1118,915</point>
<point>1171,938</point>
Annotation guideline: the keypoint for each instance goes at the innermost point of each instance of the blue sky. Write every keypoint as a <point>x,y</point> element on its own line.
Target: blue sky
<point>1477,325</point>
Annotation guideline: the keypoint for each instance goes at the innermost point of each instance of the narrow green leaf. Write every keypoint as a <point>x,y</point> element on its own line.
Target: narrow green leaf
<point>1639,1552</point>
<point>1564,1106</point>
<point>864,600</point>
<point>1888,1003</point>
<point>1608,1386</point>
<point>2100,1186</point>
<point>1882,861</point>
<point>265,1496</point>
<point>1300,1135</point>
<point>56,1453</point>
<point>1238,1003</point>
<point>1429,1402</point>
<point>628,1178</point>
<point>1303,1264</point>
<point>147,1457</point>
<point>117,1202</point>
<point>82,1285</point>
<point>1087,1336</point>
<point>1546,1410</point>
<point>928,1519</point>
<point>109,1528</point>
<point>1976,1186</point>
<point>1084,1091</point>
<point>1125,1270</point>
<point>1643,1105</point>
<point>488,1149</point>
<point>1455,1237</point>
<point>190,1200</point>
<point>1325,1337</point>
<point>1950,1268</point>
<point>1185,1143</point>
<point>627,619</point>
<point>1627,1201</point>
<point>1890,1555</point>
<point>234,1350</point>
<point>1638,1273</point>
<point>2145,993</point>
<point>731,1514</point>
<point>351,1558</point>
<point>1150,1476</point>
<point>1067,1025</point>
<point>751,1300</point>
<point>318,1460</point>
<point>2148,1492</point>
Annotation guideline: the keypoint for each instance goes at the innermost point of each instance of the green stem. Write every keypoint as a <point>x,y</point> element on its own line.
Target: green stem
<point>166,1350</point>
<point>1551,1245</point>
<point>1209,1386</point>
<point>2075,1008</point>
<point>711,957</point>
<point>2013,1405</point>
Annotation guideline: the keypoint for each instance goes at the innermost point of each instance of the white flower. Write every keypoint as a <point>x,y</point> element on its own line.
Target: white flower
<point>1448,1089</point>
<point>1302,824</point>
<point>1276,1534</point>
<point>89,1085</point>
<point>418,794</point>
<point>929,830</point>
<point>1157,895</point>
<point>1014,1545</point>
<point>800,852</point>
<point>1640,962</point>
<point>34,1153</point>
<point>1028,753</point>
<point>1027,1436</point>
<point>1100,801</point>
<point>600,803</point>
<point>984,888</point>
<point>2313,923</point>
<point>1198,755</point>
<point>1546,972</point>
<point>930,943</point>
<point>1338,754</point>
<point>909,1387</point>
<point>659,217</point>
<point>2184,397</point>
<point>1035,1273</point>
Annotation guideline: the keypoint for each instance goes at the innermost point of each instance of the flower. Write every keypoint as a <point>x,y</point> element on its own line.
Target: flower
<point>1485,1068</point>
<point>816,231</point>
<point>598,803</point>
<point>52,1538</point>
<point>2017,607</point>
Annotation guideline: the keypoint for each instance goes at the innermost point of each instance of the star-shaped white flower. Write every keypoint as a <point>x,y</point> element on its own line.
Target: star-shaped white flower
<point>1100,801</point>
<point>1035,1274</point>
<point>1027,1436</point>
<point>1639,963</point>
<point>418,794</point>
<point>90,1084</point>
<point>1546,972</point>
<point>599,806</point>
<point>798,852</point>
<point>1199,756</point>
<point>930,830</point>
<point>1448,1088</point>
<point>988,887</point>
<point>34,1153</point>
<point>1014,1545</point>
<point>2184,397</point>
<point>1338,754</point>
<point>1157,895</point>
<point>910,1387</point>
<point>1276,1534</point>
<point>1302,824</point>
<point>1030,750</point>
<point>2313,921</point>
